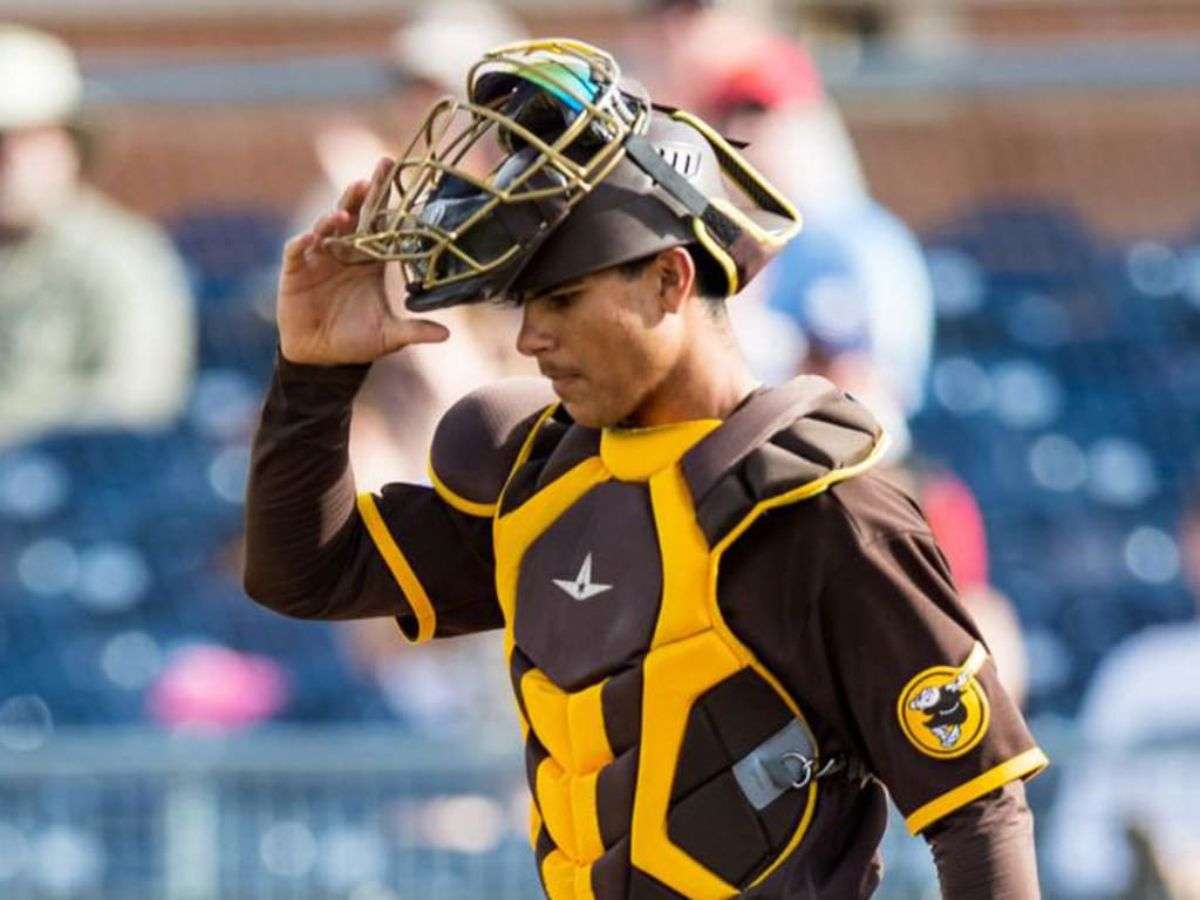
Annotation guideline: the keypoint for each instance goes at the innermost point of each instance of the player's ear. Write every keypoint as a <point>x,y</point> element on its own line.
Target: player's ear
<point>675,274</point>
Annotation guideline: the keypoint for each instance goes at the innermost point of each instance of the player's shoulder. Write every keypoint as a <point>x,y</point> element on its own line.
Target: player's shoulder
<point>477,441</point>
<point>782,450</point>
<point>875,508</point>
<point>855,516</point>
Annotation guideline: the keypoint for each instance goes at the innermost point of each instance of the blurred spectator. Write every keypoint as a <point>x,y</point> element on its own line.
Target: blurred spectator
<point>96,320</point>
<point>680,48</point>
<point>1127,820</point>
<point>429,57</point>
<point>405,394</point>
<point>448,689</point>
<point>208,687</point>
<point>854,280</point>
<point>443,41</point>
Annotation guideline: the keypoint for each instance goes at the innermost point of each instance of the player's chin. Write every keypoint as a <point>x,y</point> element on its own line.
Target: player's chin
<point>589,404</point>
<point>586,410</point>
<point>584,413</point>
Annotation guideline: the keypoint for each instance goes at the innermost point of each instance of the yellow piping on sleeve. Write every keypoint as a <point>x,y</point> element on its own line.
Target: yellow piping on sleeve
<point>414,592</point>
<point>459,502</point>
<point>1029,762</point>
<point>974,661</point>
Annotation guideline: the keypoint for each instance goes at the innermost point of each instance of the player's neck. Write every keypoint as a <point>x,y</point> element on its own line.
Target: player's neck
<point>709,382</point>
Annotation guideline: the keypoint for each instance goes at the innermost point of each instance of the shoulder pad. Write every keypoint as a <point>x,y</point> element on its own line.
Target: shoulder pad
<point>788,442</point>
<point>478,439</point>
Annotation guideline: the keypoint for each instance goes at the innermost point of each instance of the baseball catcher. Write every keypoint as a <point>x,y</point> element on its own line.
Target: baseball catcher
<point>715,615</point>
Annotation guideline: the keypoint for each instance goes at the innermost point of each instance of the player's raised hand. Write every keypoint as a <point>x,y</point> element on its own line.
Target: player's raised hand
<point>331,312</point>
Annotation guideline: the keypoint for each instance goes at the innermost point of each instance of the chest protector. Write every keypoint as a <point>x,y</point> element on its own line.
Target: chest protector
<point>664,759</point>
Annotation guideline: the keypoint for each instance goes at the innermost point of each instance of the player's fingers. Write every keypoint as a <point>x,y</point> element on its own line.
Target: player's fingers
<point>341,223</point>
<point>376,184</point>
<point>379,184</point>
<point>326,225</point>
<point>399,332</point>
<point>352,196</point>
<point>293,250</point>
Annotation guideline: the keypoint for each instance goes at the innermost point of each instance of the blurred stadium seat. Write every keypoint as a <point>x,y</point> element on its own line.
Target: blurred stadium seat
<point>232,257</point>
<point>1050,398</point>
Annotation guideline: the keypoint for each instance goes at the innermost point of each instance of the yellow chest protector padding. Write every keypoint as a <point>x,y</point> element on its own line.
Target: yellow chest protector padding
<point>643,712</point>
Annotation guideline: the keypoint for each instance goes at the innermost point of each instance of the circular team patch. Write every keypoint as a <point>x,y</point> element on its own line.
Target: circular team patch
<point>943,711</point>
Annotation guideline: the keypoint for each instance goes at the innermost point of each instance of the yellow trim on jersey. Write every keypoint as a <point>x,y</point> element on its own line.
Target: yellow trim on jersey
<point>1030,762</point>
<point>414,592</point>
<point>634,454</point>
<point>459,502</point>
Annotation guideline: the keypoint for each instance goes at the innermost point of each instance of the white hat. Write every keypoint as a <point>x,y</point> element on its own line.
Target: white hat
<point>446,39</point>
<point>39,79</point>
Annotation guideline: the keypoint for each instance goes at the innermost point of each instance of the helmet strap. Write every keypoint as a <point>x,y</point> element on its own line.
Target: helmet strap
<point>724,231</point>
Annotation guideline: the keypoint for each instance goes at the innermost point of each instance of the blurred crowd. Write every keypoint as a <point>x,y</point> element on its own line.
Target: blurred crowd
<point>131,362</point>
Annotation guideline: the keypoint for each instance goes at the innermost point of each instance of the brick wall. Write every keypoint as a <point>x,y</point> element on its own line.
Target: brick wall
<point>1127,161</point>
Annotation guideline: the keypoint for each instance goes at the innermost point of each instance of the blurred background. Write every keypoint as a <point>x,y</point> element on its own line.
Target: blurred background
<point>1002,259</point>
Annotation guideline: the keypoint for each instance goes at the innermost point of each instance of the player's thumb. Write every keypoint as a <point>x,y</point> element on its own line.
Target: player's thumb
<point>399,333</point>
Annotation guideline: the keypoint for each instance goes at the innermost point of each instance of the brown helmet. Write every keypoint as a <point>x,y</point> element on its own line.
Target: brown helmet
<point>582,173</point>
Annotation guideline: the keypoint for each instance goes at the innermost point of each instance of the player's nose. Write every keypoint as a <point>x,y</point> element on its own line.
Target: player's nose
<point>534,337</point>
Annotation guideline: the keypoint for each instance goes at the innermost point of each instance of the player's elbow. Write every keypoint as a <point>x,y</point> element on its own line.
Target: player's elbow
<point>269,593</point>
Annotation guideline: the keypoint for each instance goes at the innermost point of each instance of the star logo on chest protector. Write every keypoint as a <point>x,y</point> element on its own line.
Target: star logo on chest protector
<point>582,587</point>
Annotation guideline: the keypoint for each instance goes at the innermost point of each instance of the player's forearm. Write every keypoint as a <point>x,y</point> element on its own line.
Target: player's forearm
<point>303,546</point>
<point>985,851</point>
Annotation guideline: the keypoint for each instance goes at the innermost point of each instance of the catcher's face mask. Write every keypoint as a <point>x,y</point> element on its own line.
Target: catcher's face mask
<point>486,182</point>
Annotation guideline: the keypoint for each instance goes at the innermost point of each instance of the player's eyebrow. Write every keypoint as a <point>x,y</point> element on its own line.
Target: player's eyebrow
<point>562,292</point>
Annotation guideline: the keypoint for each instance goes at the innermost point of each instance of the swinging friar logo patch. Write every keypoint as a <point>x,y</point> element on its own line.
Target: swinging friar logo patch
<point>943,710</point>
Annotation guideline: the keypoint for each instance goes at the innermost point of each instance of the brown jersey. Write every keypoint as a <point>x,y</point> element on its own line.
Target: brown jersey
<point>833,601</point>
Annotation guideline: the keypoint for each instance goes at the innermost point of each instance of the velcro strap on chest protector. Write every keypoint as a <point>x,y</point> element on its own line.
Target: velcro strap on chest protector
<point>785,761</point>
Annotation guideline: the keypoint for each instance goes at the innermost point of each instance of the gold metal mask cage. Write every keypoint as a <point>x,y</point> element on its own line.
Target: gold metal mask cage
<point>448,144</point>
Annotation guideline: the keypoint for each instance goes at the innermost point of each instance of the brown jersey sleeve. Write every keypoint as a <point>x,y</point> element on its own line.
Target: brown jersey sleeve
<point>985,849</point>
<point>900,669</point>
<point>911,678</point>
<point>315,550</point>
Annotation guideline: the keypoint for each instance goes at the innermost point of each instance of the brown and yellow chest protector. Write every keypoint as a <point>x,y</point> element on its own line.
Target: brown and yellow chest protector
<point>664,759</point>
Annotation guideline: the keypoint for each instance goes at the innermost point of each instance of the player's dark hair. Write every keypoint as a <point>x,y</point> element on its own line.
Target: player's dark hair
<point>710,277</point>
